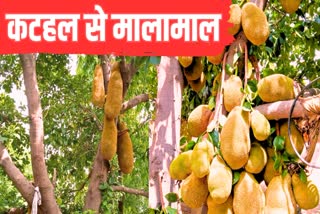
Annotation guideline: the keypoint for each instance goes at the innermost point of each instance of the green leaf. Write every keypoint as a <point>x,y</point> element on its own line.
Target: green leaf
<point>277,163</point>
<point>284,173</point>
<point>190,145</point>
<point>253,85</point>
<point>171,210</point>
<point>214,136</point>
<point>212,102</point>
<point>303,176</point>
<point>278,143</point>
<point>247,106</point>
<point>235,177</point>
<point>172,197</point>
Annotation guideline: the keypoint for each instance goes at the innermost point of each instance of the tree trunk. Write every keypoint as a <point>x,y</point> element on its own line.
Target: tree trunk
<point>166,133</point>
<point>41,178</point>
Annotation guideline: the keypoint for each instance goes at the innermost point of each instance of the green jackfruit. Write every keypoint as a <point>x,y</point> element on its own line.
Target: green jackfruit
<point>257,159</point>
<point>201,157</point>
<point>296,136</point>
<point>180,167</point>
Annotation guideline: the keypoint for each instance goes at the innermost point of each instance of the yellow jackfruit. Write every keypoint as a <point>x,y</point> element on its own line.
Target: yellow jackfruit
<point>290,6</point>
<point>98,93</point>
<point>201,157</point>
<point>224,208</point>
<point>198,84</point>
<point>276,87</point>
<point>198,120</point>
<point>257,159</point>
<point>232,95</point>
<point>235,19</point>
<point>217,59</point>
<point>235,138</point>
<point>125,150</point>
<point>195,71</point>
<point>296,137</point>
<point>248,196</point>
<point>279,196</point>
<point>108,140</point>
<point>305,193</point>
<point>194,191</point>
<point>114,99</point>
<point>219,180</point>
<point>254,23</point>
<point>185,61</point>
<point>180,167</point>
<point>260,125</point>
<point>269,171</point>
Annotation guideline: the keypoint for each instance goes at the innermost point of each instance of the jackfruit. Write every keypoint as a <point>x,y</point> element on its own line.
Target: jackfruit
<point>198,84</point>
<point>125,150</point>
<point>195,71</point>
<point>224,208</point>
<point>269,171</point>
<point>194,191</point>
<point>114,99</point>
<point>185,61</point>
<point>279,196</point>
<point>108,140</point>
<point>290,6</point>
<point>201,157</point>
<point>198,120</point>
<point>248,196</point>
<point>296,136</point>
<point>275,87</point>
<point>235,138</point>
<point>257,159</point>
<point>305,193</point>
<point>232,95</point>
<point>235,19</point>
<point>180,167</point>
<point>219,180</point>
<point>98,93</point>
<point>254,23</point>
<point>260,125</point>
<point>184,130</point>
<point>217,59</point>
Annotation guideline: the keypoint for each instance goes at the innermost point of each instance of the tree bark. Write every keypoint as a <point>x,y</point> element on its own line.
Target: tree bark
<point>165,135</point>
<point>41,178</point>
<point>130,190</point>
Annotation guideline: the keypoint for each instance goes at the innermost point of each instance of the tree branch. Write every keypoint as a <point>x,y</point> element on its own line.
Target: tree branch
<point>130,190</point>
<point>134,102</point>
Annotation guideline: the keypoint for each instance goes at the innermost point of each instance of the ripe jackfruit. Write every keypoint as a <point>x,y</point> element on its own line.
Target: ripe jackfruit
<point>125,150</point>
<point>279,196</point>
<point>276,87</point>
<point>98,94</point>
<point>194,191</point>
<point>297,139</point>
<point>201,157</point>
<point>232,95</point>
<point>257,159</point>
<point>235,138</point>
<point>195,71</point>
<point>290,6</point>
<point>305,193</point>
<point>114,99</point>
<point>269,171</point>
<point>198,84</point>
<point>180,167</point>
<point>198,120</point>
<point>224,208</point>
<point>248,196</point>
<point>235,19</point>
<point>185,61</point>
<point>219,180</point>
<point>216,60</point>
<point>108,140</point>
<point>260,125</point>
<point>254,23</point>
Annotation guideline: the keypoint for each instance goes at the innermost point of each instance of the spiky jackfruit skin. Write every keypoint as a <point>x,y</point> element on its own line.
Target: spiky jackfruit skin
<point>235,138</point>
<point>108,140</point>
<point>296,136</point>
<point>224,208</point>
<point>276,87</point>
<point>185,61</point>
<point>306,194</point>
<point>254,23</point>
<point>279,196</point>
<point>260,126</point>
<point>194,191</point>
<point>198,120</point>
<point>194,72</point>
<point>248,196</point>
<point>180,167</point>
<point>290,6</point>
<point>201,157</point>
<point>232,95</point>
<point>235,19</point>
<point>98,93</point>
<point>125,150</point>
<point>198,84</point>
<point>257,159</point>
<point>114,98</point>
<point>219,180</point>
